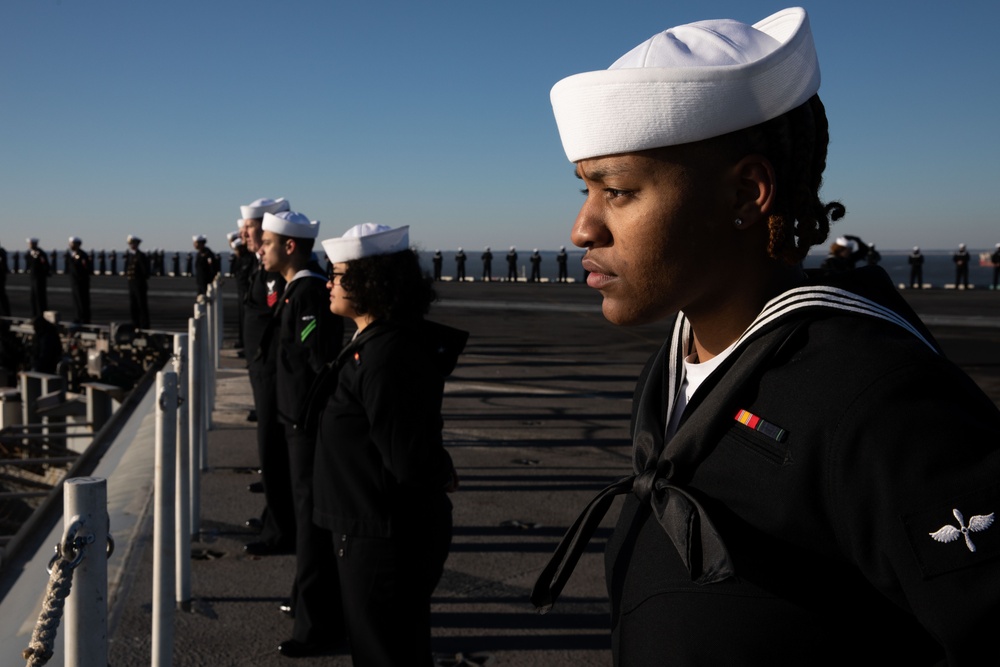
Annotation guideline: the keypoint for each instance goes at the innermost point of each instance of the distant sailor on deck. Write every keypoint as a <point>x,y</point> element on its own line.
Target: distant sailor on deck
<point>874,256</point>
<point>487,265</point>
<point>79,269</point>
<point>205,265</point>
<point>137,274</point>
<point>437,261</point>
<point>916,262</point>
<point>536,266</point>
<point>37,265</point>
<point>512,264</point>
<point>460,265</point>
<point>961,259</point>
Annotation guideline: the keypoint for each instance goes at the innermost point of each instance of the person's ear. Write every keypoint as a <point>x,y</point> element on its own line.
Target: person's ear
<point>756,189</point>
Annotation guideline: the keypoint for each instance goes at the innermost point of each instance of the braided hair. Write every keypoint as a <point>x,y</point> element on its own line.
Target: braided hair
<point>796,144</point>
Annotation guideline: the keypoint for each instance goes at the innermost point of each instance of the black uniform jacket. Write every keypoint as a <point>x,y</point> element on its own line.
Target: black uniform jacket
<point>79,267</point>
<point>244,271</point>
<point>205,269</point>
<point>302,337</point>
<point>828,497</point>
<point>261,300</point>
<point>381,467</point>
<point>37,264</point>
<point>137,268</point>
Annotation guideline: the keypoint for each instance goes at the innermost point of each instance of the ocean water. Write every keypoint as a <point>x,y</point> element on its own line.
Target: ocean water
<point>939,269</point>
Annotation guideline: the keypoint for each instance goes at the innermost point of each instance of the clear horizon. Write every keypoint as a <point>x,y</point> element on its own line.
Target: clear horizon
<point>160,119</point>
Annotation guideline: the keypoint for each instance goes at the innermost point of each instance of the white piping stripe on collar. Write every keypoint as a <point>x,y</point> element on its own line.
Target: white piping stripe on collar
<point>680,339</point>
<point>828,297</point>
<point>306,273</point>
<point>841,303</point>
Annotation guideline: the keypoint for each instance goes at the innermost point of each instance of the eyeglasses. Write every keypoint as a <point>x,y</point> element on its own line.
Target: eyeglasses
<point>334,275</point>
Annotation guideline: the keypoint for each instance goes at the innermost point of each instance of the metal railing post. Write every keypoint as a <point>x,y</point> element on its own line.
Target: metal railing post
<point>211,303</point>
<point>163,519</point>
<point>85,506</point>
<point>216,339</point>
<point>194,422</point>
<point>182,509</point>
<point>204,383</point>
<point>220,320</point>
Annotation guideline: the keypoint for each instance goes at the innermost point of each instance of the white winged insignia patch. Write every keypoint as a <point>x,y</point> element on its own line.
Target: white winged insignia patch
<point>950,533</point>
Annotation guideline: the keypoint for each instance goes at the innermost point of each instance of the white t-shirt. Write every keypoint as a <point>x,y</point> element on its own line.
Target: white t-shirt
<point>694,375</point>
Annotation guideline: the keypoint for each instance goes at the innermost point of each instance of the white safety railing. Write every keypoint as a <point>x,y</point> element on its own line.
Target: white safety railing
<point>184,399</point>
<point>163,519</point>
<point>196,407</point>
<point>182,510</point>
<point>185,393</point>
<point>201,364</point>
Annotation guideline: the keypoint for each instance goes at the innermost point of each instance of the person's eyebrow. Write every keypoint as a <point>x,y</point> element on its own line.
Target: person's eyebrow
<point>600,174</point>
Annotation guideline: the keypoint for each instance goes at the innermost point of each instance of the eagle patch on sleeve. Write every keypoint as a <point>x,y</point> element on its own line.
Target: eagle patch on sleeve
<point>955,534</point>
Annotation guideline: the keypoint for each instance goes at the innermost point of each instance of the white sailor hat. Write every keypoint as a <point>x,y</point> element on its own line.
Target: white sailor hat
<point>367,239</point>
<point>74,239</point>
<point>236,243</point>
<point>258,207</point>
<point>32,239</point>
<point>232,236</point>
<point>290,223</point>
<point>843,242</point>
<point>689,83</point>
<point>239,223</point>
<point>131,238</point>
<point>199,238</point>
<point>961,246</point>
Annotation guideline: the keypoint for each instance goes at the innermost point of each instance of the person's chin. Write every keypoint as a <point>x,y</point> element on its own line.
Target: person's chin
<point>622,313</point>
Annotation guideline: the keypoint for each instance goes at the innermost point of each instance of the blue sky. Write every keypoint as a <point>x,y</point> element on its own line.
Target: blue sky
<point>159,118</point>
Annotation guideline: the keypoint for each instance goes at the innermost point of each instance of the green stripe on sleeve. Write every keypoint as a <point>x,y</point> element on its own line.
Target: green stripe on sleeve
<point>308,330</point>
